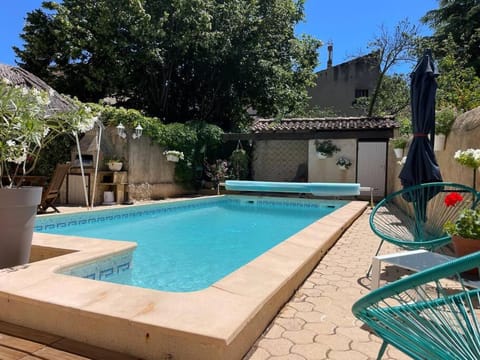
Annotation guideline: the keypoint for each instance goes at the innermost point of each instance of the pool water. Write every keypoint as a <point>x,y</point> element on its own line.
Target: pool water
<point>188,249</point>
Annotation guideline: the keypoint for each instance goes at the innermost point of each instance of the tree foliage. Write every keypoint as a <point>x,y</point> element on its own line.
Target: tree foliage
<point>207,60</point>
<point>457,20</point>
<point>393,97</point>
<point>458,84</point>
<point>391,48</point>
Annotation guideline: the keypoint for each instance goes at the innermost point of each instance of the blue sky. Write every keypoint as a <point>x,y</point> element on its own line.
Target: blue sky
<point>350,25</point>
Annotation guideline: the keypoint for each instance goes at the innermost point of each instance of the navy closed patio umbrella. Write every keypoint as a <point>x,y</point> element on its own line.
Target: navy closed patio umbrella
<point>421,165</point>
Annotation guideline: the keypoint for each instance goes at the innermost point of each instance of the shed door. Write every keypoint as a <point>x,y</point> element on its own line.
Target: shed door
<point>372,166</point>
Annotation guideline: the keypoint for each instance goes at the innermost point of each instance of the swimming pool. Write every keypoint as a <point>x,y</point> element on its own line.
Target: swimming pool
<point>220,322</point>
<point>189,245</point>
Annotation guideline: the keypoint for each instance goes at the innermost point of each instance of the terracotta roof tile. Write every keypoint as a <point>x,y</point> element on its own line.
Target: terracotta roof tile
<point>325,124</point>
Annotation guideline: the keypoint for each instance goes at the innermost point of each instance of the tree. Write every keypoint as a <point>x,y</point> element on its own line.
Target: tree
<point>391,48</point>
<point>393,97</point>
<point>179,60</point>
<point>458,85</point>
<point>458,20</point>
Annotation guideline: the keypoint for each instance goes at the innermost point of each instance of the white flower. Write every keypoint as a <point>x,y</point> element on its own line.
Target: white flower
<point>177,153</point>
<point>469,157</point>
<point>87,124</point>
<point>24,131</point>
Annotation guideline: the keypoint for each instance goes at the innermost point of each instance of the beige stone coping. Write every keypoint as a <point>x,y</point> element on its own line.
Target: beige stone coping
<point>220,322</point>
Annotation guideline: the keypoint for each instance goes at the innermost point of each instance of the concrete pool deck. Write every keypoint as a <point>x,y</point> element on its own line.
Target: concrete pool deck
<point>316,324</point>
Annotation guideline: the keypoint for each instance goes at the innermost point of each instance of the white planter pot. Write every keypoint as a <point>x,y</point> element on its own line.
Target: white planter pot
<point>18,208</point>
<point>398,153</point>
<point>439,142</point>
<point>108,198</point>
<point>342,167</point>
<point>114,165</point>
<point>172,158</point>
<point>321,155</point>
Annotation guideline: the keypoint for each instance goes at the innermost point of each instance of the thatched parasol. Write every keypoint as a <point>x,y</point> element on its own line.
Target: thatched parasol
<point>21,77</point>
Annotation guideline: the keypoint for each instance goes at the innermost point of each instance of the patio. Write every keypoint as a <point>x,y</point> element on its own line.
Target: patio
<point>316,323</point>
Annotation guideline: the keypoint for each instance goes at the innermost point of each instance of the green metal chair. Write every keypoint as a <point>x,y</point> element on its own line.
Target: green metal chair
<point>413,218</point>
<point>433,314</point>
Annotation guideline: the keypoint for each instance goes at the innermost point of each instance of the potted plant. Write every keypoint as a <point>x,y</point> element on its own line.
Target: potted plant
<point>444,120</point>
<point>216,172</point>
<point>325,148</point>
<point>469,158</point>
<point>173,155</point>
<point>26,126</point>
<point>239,163</point>
<point>114,164</point>
<point>399,144</point>
<point>343,163</point>
<point>465,229</point>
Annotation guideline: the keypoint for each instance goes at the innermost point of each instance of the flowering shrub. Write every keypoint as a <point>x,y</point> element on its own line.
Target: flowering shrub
<point>217,171</point>
<point>467,224</point>
<point>26,126</point>
<point>176,153</point>
<point>342,161</point>
<point>453,198</point>
<point>469,157</point>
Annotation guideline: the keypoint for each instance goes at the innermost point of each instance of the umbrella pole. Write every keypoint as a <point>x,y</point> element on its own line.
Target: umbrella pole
<point>81,168</point>
<point>475,178</point>
<point>98,140</point>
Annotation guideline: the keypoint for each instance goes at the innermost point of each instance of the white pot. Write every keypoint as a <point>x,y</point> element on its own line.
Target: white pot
<point>342,167</point>
<point>172,158</point>
<point>398,153</point>
<point>18,207</point>
<point>321,155</point>
<point>114,165</point>
<point>439,142</point>
<point>108,198</point>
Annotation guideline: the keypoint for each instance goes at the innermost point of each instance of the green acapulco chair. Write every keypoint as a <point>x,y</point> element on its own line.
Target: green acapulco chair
<point>413,218</point>
<point>432,314</point>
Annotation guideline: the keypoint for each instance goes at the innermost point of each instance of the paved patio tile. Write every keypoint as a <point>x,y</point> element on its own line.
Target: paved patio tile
<point>300,337</point>
<point>322,305</point>
<point>278,346</point>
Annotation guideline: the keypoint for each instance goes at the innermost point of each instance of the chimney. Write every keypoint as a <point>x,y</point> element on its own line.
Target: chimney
<point>330,54</point>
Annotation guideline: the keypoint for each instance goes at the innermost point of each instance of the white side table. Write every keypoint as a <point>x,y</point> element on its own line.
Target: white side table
<point>415,260</point>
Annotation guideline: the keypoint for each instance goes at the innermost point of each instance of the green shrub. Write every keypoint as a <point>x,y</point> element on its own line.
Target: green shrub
<point>399,142</point>
<point>444,120</point>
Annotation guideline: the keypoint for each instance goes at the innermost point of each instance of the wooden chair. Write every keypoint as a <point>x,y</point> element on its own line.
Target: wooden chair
<point>413,218</point>
<point>51,192</point>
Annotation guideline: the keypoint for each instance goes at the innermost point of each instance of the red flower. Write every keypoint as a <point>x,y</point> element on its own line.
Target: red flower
<point>452,198</point>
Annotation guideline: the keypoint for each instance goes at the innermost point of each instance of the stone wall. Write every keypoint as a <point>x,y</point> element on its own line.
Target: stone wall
<point>150,175</point>
<point>465,134</point>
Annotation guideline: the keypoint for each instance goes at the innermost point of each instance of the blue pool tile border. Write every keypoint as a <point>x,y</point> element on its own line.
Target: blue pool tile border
<point>45,223</point>
<point>103,269</point>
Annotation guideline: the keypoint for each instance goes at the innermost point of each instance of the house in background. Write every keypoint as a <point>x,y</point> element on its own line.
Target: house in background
<point>337,87</point>
<point>285,150</point>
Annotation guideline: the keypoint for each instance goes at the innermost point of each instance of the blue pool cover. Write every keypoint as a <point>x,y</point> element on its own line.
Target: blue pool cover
<point>318,189</point>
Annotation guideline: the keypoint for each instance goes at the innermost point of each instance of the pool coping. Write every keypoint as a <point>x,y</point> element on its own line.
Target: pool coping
<point>220,322</point>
